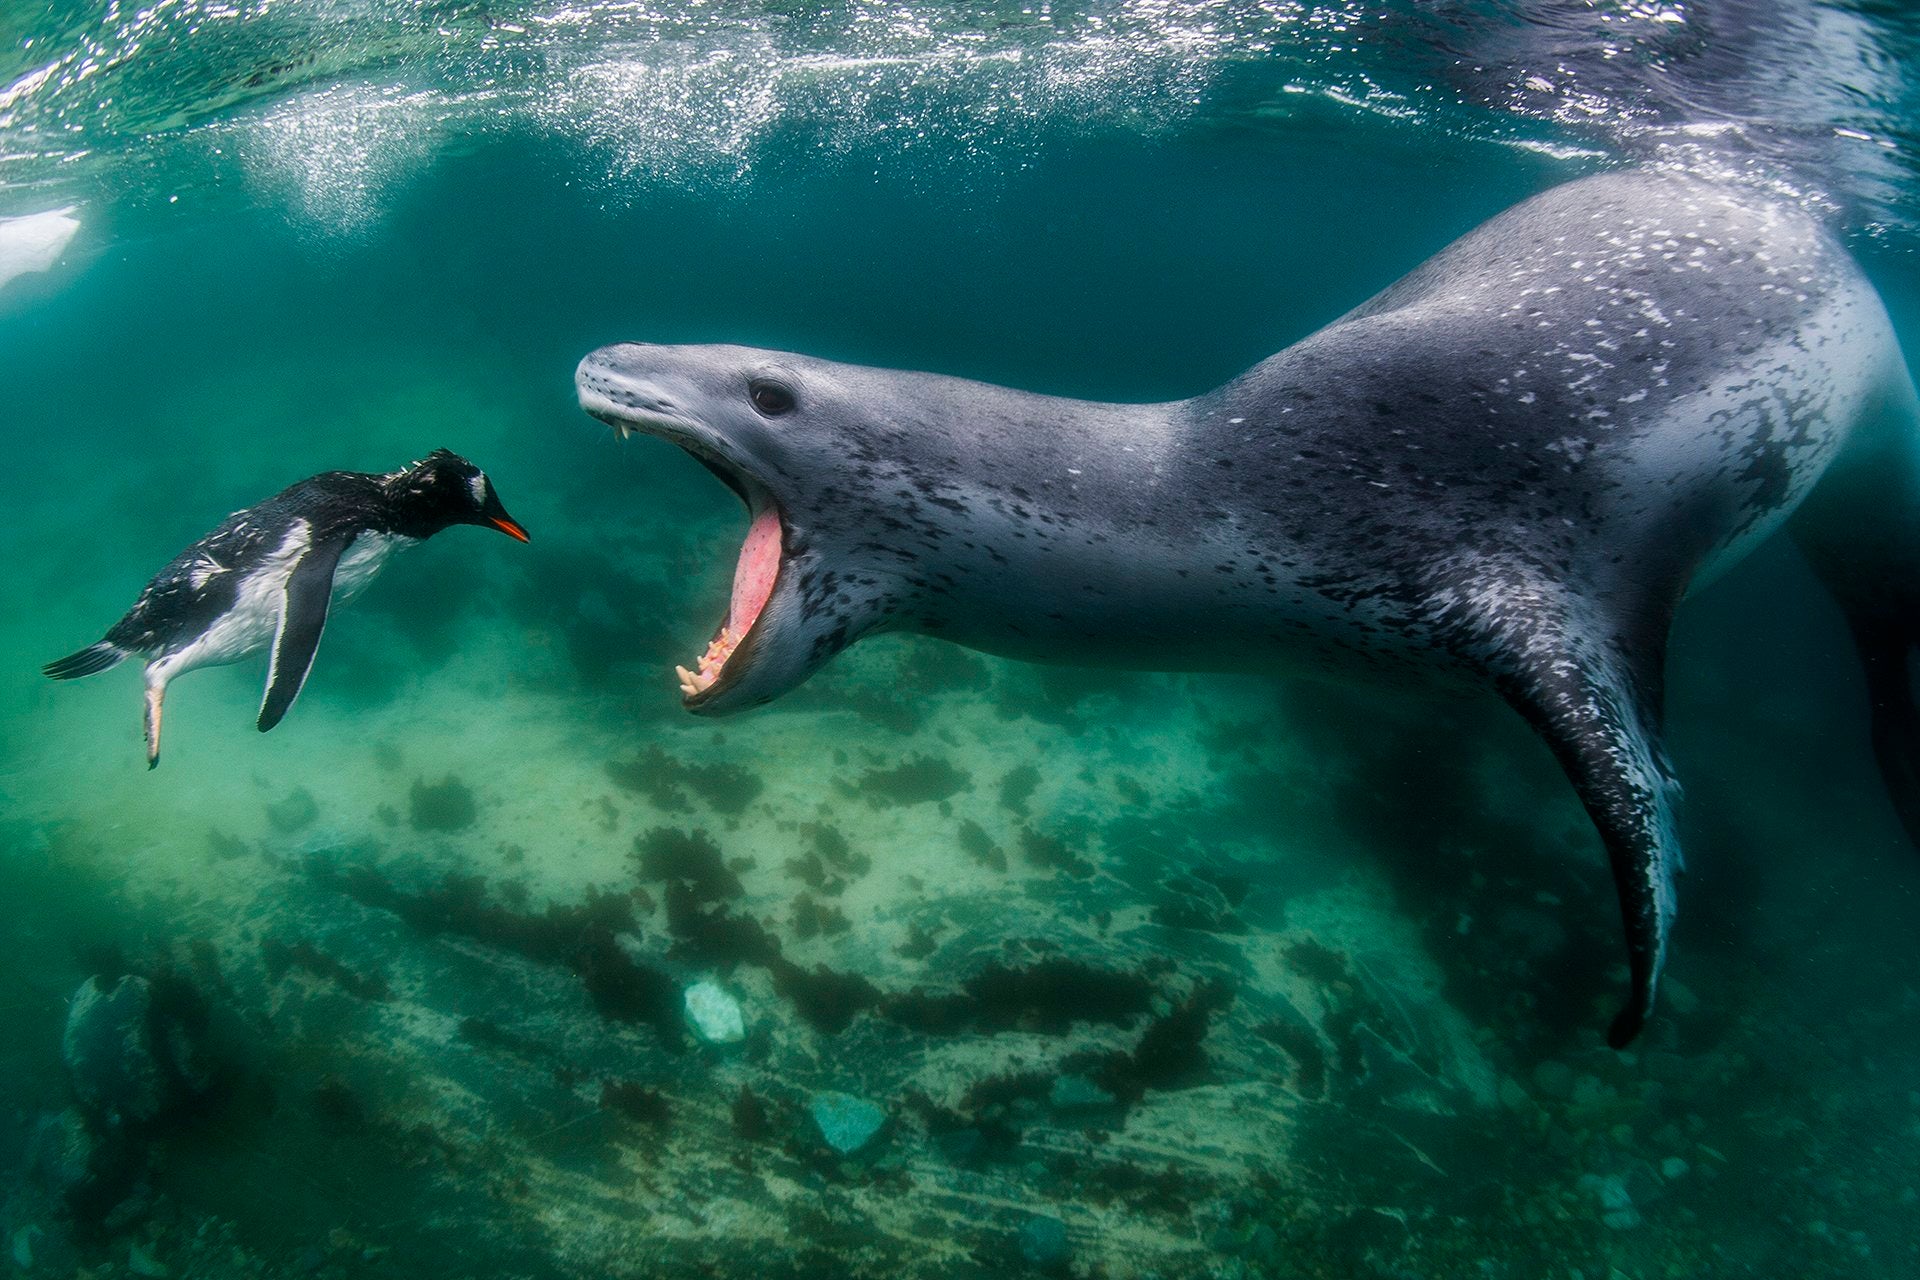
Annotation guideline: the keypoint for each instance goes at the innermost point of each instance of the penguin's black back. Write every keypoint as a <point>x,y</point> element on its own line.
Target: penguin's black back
<point>203,582</point>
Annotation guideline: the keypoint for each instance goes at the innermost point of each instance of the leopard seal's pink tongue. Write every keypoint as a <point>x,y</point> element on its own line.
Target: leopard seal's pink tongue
<point>753,577</point>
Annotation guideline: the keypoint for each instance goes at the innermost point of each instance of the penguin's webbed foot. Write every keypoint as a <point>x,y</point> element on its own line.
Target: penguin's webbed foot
<point>156,698</point>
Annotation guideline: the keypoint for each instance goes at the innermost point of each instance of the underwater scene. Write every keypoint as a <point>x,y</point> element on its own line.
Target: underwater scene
<point>1041,922</point>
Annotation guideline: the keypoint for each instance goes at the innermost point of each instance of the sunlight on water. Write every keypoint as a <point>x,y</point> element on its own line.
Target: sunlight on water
<point>343,151</point>
<point>675,93</point>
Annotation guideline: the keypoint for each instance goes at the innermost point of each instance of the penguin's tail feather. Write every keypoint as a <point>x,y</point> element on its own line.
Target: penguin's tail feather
<point>90,661</point>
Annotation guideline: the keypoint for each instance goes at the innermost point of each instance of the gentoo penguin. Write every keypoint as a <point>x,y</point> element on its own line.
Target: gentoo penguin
<point>269,574</point>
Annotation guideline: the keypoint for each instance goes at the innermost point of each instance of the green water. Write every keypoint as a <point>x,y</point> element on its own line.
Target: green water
<point>1334,962</point>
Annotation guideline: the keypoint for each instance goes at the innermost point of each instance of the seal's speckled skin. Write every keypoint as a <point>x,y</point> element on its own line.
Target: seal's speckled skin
<point>1507,469</point>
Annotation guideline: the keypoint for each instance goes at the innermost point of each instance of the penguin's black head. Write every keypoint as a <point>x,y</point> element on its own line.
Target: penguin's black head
<point>444,489</point>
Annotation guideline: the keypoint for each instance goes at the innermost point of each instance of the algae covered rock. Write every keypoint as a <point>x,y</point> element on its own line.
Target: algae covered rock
<point>1077,1093</point>
<point>82,1171</point>
<point>1044,1245</point>
<point>847,1123</point>
<point>62,1152</point>
<point>110,1053</point>
<point>132,1054</point>
<point>714,1014</point>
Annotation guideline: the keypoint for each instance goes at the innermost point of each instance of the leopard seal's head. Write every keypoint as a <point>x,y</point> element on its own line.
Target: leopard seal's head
<point>810,446</point>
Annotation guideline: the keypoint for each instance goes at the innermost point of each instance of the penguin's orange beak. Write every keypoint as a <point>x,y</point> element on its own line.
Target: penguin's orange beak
<point>510,527</point>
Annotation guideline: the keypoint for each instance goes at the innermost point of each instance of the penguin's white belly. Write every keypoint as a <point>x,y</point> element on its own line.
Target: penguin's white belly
<point>250,625</point>
<point>363,561</point>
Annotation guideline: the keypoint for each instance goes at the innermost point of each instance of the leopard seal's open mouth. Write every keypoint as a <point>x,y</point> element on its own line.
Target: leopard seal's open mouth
<point>636,406</point>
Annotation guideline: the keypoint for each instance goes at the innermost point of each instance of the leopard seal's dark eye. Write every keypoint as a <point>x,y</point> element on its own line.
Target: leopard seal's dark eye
<point>769,397</point>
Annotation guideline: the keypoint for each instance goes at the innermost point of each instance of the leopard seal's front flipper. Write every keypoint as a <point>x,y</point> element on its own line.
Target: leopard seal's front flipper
<point>1507,470</point>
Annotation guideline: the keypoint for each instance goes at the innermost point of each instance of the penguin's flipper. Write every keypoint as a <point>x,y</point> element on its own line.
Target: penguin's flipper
<point>1592,689</point>
<point>303,617</point>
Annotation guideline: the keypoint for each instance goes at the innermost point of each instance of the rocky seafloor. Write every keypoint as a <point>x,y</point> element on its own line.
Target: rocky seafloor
<point>1037,971</point>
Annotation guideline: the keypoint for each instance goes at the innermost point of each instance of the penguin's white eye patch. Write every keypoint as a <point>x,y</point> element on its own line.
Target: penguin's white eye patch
<point>477,484</point>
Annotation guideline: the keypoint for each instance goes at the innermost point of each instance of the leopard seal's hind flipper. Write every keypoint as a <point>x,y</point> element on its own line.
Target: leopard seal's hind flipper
<point>1588,676</point>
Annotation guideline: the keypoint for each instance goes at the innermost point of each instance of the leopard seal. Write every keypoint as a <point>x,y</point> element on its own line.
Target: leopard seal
<point>1506,470</point>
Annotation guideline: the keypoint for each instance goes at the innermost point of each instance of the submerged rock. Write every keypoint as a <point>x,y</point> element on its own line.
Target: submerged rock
<point>447,805</point>
<point>1077,1093</point>
<point>130,1056</point>
<point>23,1247</point>
<point>1616,1204</point>
<point>46,1251</point>
<point>84,1172</point>
<point>1554,1079</point>
<point>1680,997</point>
<point>846,1122</point>
<point>142,1263</point>
<point>1044,1245</point>
<point>110,1052</point>
<point>960,1145</point>
<point>298,809</point>
<point>61,1152</point>
<point>714,1014</point>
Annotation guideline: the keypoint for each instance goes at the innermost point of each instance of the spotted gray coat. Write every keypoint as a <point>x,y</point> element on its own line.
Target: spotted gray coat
<point>1506,470</point>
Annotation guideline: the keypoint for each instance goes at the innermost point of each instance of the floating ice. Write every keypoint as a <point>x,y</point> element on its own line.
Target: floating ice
<point>715,1015</point>
<point>34,242</point>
